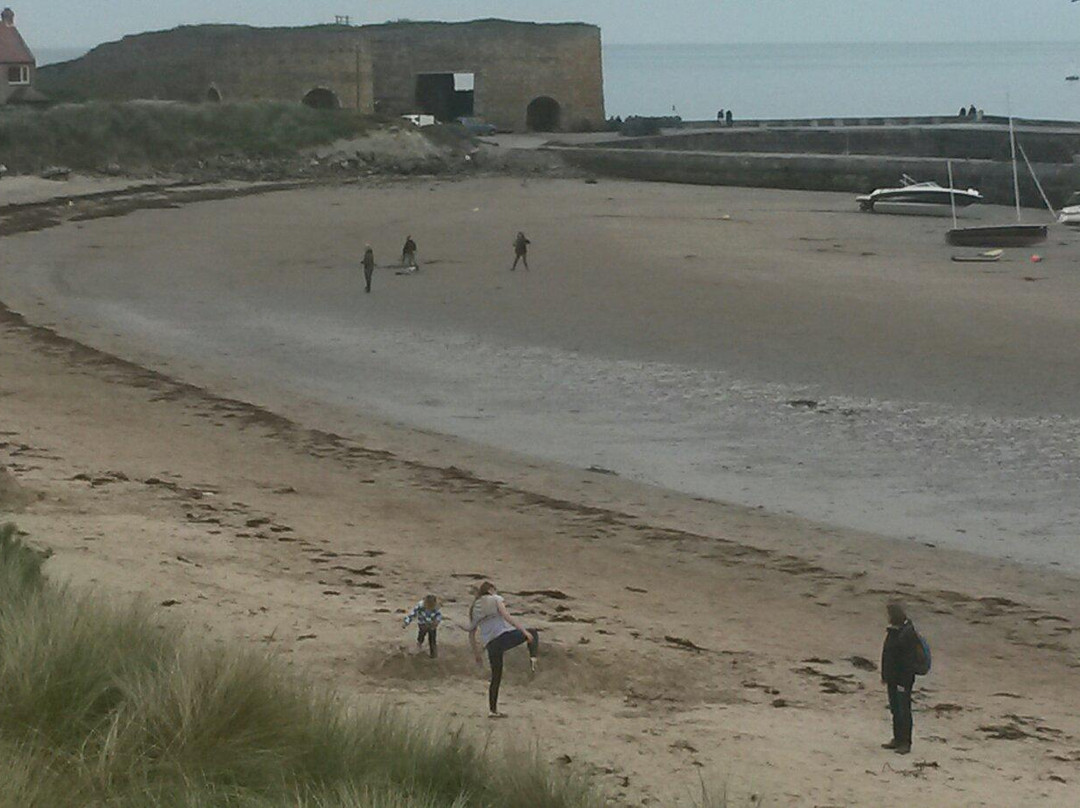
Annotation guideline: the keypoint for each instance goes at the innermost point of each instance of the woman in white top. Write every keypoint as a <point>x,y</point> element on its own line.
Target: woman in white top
<point>499,632</point>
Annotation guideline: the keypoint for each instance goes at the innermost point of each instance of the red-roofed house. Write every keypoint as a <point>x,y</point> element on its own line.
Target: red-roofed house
<point>17,64</point>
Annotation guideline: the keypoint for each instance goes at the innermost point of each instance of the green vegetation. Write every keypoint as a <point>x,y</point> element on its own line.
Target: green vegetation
<point>156,134</point>
<point>100,706</point>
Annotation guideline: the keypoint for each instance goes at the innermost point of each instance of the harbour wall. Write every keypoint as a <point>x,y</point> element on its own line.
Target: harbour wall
<point>823,172</point>
<point>946,142</point>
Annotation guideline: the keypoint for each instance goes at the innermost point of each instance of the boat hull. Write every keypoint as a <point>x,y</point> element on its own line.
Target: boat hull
<point>1015,235</point>
<point>916,209</point>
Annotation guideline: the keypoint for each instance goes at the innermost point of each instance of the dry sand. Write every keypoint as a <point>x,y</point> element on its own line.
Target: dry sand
<point>267,528</point>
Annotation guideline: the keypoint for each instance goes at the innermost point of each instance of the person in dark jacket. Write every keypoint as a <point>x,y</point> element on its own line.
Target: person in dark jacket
<point>899,657</point>
<point>408,255</point>
<point>521,251</point>
<point>369,267</point>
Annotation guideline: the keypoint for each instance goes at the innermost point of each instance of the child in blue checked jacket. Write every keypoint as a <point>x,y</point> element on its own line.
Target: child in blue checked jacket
<point>427,616</point>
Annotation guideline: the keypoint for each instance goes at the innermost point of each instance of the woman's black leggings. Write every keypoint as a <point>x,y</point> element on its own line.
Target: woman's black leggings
<point>496,648</point>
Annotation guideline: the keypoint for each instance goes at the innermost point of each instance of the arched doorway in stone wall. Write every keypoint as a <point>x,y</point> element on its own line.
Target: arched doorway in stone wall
<point>213,95</point>
<point>322,98</point>
<point>543,115</point>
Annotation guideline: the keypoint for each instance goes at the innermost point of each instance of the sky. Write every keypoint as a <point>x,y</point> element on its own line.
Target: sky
<point>76,23</point>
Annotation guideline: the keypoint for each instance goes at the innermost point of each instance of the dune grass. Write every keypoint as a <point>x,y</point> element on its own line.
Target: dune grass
<point>154,134</point>
<point>100,706</point>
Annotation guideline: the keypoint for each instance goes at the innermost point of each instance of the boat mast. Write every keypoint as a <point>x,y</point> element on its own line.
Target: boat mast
<point>1016,172</point>
<point>952,194</point>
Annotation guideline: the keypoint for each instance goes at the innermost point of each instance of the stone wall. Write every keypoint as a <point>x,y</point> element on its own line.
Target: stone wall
<point>513,64</point>
<point>368,68</point>
<point>851,174</point>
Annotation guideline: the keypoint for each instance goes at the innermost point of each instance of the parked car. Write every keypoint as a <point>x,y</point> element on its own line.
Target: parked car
<point>476,126</point>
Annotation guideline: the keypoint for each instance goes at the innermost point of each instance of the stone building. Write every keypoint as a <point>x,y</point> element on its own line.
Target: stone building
<point>18,68</point>
<point>518,76</point>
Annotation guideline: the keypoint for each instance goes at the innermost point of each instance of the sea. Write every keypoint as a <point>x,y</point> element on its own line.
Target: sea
<point>842,80</point>
<point>776,80</point>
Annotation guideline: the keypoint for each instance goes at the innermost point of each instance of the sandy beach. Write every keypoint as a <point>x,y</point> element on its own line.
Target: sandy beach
<point>792,413</point>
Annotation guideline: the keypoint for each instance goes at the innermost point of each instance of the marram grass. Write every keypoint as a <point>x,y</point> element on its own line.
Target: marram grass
<point>101,707</point>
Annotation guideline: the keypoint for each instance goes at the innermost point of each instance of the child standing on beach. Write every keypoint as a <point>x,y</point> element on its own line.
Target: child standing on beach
<point>428,616</point>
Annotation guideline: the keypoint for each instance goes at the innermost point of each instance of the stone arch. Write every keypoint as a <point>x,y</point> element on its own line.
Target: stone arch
<point>322,98</point>
<point>213,95</point>
<point>543,115</point>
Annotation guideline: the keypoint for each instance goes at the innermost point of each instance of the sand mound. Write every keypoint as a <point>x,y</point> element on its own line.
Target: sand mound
<point>13,496</point>
<point>571,670</point>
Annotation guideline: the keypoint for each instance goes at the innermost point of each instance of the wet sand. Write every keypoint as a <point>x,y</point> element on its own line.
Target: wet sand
<point>798,355</point>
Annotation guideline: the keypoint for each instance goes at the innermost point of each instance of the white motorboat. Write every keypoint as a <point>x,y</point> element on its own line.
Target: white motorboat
<point>1070,214</point>
<point>918,199</point>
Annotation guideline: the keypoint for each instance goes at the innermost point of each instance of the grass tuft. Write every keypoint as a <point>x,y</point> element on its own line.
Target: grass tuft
<point>100,706</point>
<point>159,134</point>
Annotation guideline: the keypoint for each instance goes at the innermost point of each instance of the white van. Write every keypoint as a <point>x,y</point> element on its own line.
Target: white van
<point>420,120</point>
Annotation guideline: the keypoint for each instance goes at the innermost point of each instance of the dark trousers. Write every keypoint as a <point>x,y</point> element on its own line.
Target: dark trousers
<point>520,257</point>
<point>900,707</point>
<point>367,278</point>
<point>429,633</point>
<point>499,646</point>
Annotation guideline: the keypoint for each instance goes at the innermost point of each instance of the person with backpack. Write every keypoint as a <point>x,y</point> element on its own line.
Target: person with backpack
<point>904,656</point>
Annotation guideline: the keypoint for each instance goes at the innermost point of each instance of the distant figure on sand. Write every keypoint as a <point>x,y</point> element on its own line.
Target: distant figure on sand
<point>901,659</point>
<point>499,632</point>
<point>369,267</point>
<point>408,254</point>
<point>521,251</point>
<point>427,616</point>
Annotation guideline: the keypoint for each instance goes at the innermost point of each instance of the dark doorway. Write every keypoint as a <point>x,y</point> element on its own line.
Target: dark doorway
<point>447,96</point>
<point>322,98</point>
<point>544,115</point>
<point>213,95</point>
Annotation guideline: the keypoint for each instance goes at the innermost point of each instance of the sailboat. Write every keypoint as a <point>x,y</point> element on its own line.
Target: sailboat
<point>1009,235</point>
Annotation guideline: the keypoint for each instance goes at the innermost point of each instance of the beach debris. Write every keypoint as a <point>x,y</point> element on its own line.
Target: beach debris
<point>1004,732</point>
<point>684,746</point>
<point>602,470</point>
<point>862,663</point>
<point>637,589</point>
<point>804,403</point>
<point>1036,259</point>
<point>780,703</point>
<point>836,684</point>
<point>1032,279</point>
<point>685,644</point>
<point>947,709</point>
<point>168,604</point>
<point>554,594</point>
<point>303,637</point>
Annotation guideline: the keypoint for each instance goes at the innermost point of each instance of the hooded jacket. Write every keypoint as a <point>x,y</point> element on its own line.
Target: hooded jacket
<point>898,656</point>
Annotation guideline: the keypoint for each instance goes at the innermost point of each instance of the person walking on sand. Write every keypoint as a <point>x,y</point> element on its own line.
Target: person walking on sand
<point>499,632</point>
<point>521,251</point>
<point>408,255</point>
<point>369,267</point>
<point>899,663</point>
<point>427,615</point>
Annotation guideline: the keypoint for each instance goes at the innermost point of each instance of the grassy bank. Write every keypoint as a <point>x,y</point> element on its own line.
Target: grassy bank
<point>147,134</point>
<point>100,706</point>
